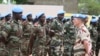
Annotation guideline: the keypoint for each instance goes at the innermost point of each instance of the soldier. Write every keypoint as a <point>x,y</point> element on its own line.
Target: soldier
<point>2,21</point>
<point>8,17</point>
<point>93,33</point>
<point>82,46</point>
<point>3,49</point>
<point>98,39</point>
<point>48,19</point>
<point>13,32</point>
<point>39,36</point>
<point>24,18</point>
<point>29,17</point>
<point>3,40</point>
<point>27,33</point>
<point>69,38</point>
<point>57,40</point>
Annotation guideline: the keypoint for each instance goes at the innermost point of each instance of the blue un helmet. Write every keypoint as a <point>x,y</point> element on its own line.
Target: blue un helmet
<point>49,17</point>
<point>94,20</point>
<point>24,17</point>
<point>39,15</point>
<point>2,16</point>
<point>80,16</point>
<point>7,14</point>
<point>17,9</point>
<point>61,12</point>
<point>29,14</point>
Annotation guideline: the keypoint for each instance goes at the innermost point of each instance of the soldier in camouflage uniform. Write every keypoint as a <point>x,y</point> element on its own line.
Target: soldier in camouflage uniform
<point>94,33</point>
<point>69,38</point>
<point>39,34</point>
<point>57,27</point>
<point>49,34</point>
<point>3,40</point>
<point>2,21</point>
<point>13,32</point>
<point>98,39</point>
<point>24,18</point>
<point>8,17</point>
<point>27,32</point>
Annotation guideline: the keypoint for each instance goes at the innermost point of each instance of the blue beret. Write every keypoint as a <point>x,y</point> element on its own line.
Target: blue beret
<point>61,12</point>
<point>81,16</point>
<point>2,16</point>
<point>39,14</point>
<point>29,14</point>
<point>94,20</point>
<point>49,17</point>
<point>7,14</point>
<point>24,17</point>
<point>17,9</point>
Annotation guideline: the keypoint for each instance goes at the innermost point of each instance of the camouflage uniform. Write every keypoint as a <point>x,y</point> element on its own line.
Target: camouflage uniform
<point>40,40</point>
<point>98,39</point>
<point>57,40</point>
<point>69,38</point>
<point>1,24</point>
<point>3,47</point>
<point>82,34</point>
<point>94,36</point>
<point>3,50</point>
<point>27,31</point>
<point>48,40</point>
<point>13,32</point>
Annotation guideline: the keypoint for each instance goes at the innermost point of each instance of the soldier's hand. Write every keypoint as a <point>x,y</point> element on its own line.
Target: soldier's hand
<point>30,55</point>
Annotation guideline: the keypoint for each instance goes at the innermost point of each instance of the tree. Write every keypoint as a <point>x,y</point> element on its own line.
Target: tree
<point>92,7</point>
<point>20,1</point>
<point>0,1</point>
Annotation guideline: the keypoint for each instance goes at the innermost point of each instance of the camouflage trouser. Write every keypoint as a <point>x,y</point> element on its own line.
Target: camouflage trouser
<point>3,52</point>
<point>14,52</point>
<point>93,46</point>
<point>56,47</point>
<point>24,47</point>
<point>57,51</point>
<point>39,50</point>
<point>67,50</point>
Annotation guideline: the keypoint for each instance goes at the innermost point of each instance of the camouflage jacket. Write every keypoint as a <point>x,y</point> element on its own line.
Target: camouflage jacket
<point>12,32</point>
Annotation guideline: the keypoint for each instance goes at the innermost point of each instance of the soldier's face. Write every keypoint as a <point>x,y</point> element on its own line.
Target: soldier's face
<point>8,18</point>
<point>76,21</point>
<point>60,16</point>
<point>17,15</point>
<point>29,17</point>
<point>42,19</point>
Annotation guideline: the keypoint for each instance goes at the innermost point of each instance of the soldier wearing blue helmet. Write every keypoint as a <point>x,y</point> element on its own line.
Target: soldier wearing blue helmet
<point>3,40</point>
<point>98,39</point>
<point>57,27</point>
<point>29,17</point>
<point>2,20</point>
<point>94,33</point>
<point>17,12</point>
<point>24,18</point>
<point>82,44</point>
<point>12,32</point>
<point>8,17</point>
<point>27,35</point>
